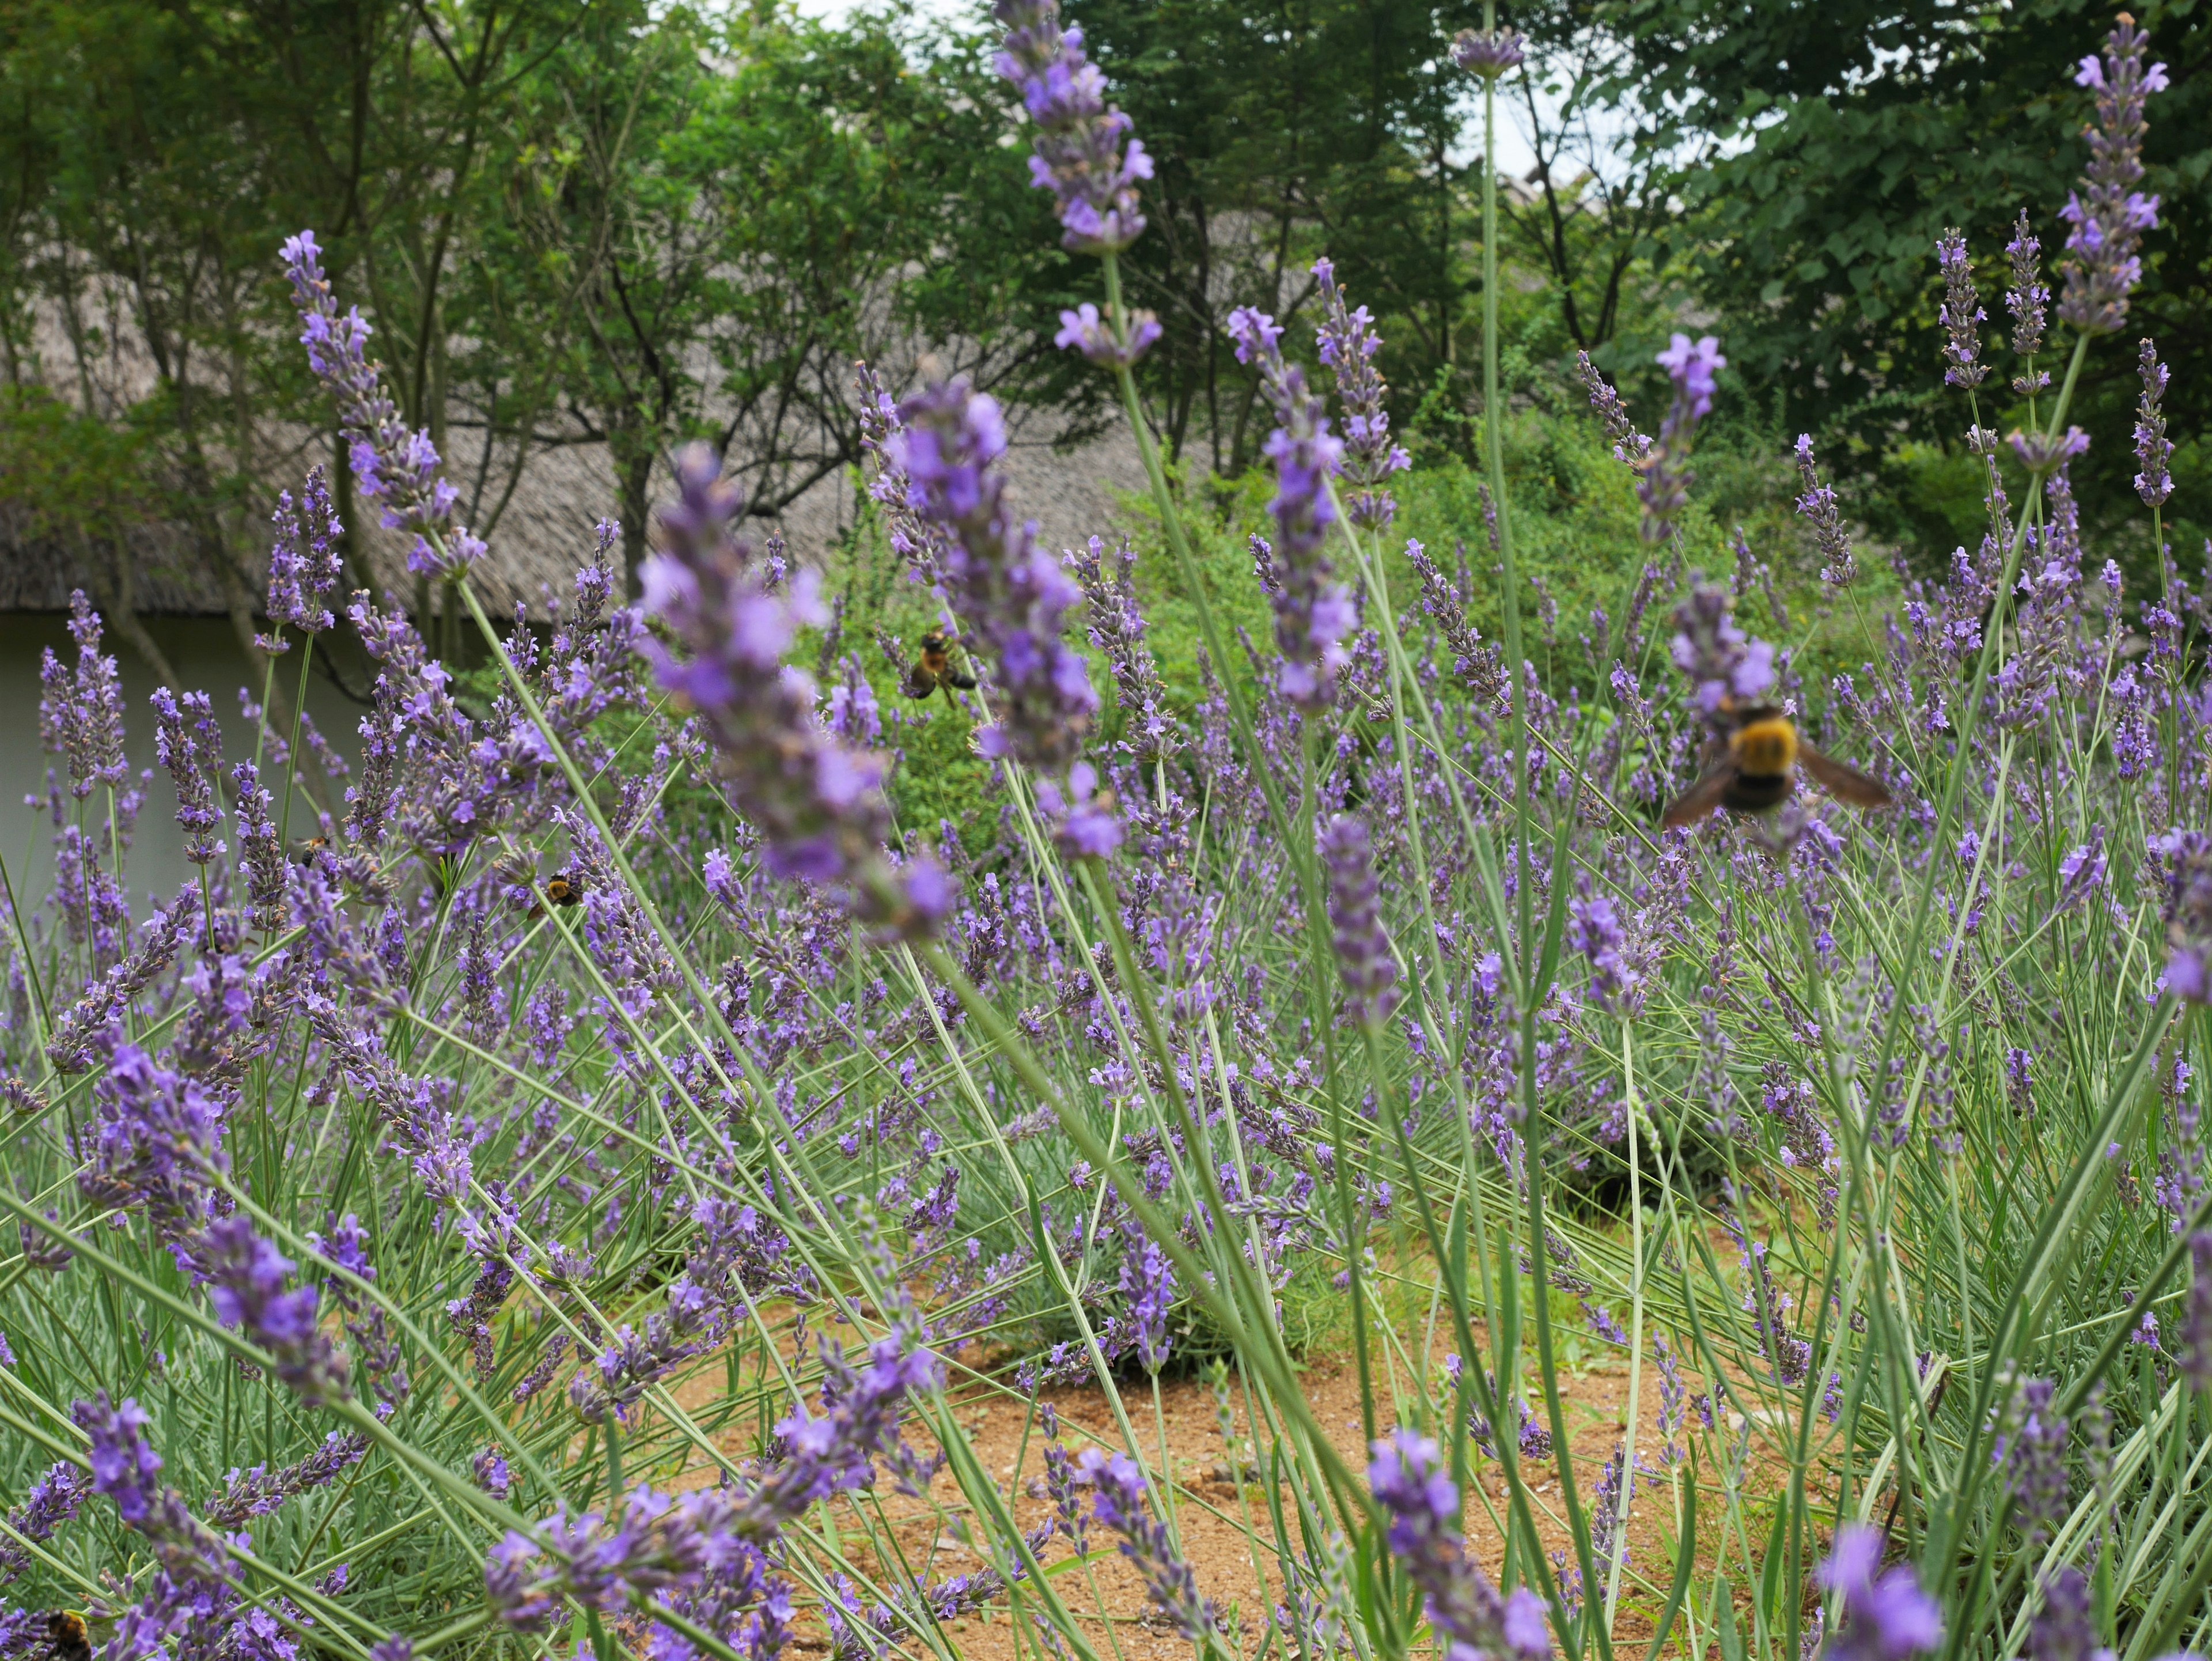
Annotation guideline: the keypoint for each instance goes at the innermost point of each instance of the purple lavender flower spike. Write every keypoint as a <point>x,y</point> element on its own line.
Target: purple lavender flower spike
<point>1148,1282</point>
<point>1355,914</point>
<point>1663,475</point>
<point>1962,314</point>
<point>1078,154</point>
<point>2154,450</point>
<point>246,1278</point>
<point>80,712</point>
<point>2108,214</point>
<point>1594,930</point>
<point>303,566</point>
<point>54,1499</point>
<point>2027,299</point>
<point>258,1491</point>
<point>390,464</point>
<point>1084,330</point>
<point>128,1471</point>
<point>1118,1499</point>
<point>1487,54</point>
<point>1013,597</point>
<point>1470,1618</point>
<point>820,806</point>
<point>1817,509</point>
<point>1348,344</point>
<point>1888,1619</point>
<point>1628,444</point>
<point>189,751</point>
<point>1724,665</point>
<point>2033,1449</point>
<point>1312,614</point>
<point>2064,1630</point>
<point>267,875</point>
<point>2041,453</point>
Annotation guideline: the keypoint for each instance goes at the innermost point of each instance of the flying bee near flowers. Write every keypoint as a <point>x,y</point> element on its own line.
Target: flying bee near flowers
<point>933,669</point>
<point>564,888</point>
<point>1754,767</point>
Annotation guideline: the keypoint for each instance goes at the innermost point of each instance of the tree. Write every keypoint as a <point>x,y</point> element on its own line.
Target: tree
<point>1853,133</point>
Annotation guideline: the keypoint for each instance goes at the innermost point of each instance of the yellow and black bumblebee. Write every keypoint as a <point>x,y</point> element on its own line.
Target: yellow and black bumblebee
<point>933,669</point>
<point>564,888</point>
<point>1753,768</point>
<point>303,850</point>
<point>65,1632</point>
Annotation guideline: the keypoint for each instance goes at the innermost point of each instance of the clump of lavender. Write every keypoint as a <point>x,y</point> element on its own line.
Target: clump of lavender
<point>1119,1502</point>
<point>1078,154</point>
<point>304,565</point>
<point>819,806</point>
<point>390,464</point>
<point>1962,314</point>
<point>2153,448</point>
<point>1408,1480</point>
<point>1724,664</point>
<point>2108,214</point>
<point>1312,613</point>
<point>1884,1619</point>
<point>1355,915</point>
<point>1663,474</point>
<point>2026,300</point>
<point>1348,343</point>
<point>81,711</point>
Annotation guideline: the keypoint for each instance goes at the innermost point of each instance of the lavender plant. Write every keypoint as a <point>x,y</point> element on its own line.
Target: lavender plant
<point>579,1203</point>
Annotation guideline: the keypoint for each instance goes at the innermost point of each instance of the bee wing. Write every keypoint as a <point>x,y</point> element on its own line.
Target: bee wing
<point>1699,801</point>
<point>1841,780</point>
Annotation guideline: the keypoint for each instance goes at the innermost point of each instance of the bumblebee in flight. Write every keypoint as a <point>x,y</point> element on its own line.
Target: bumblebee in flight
<point>1755,768</point>
<point>933,669</point>
<point>564,889</point>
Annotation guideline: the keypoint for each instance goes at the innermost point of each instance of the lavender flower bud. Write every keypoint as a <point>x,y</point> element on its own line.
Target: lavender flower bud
<point>1817,507</point>
<point>2026,300</point>
<point>1078,154</point>
<point>1312,614</point>
<point>1013,597</point>
<point>80,712</point>
<point>2108,215</point>
<point>1488,54</point>
<point>1962,314</point>
<point>1470,1618</point>
<point>1884,1620</point>
<point>1724,664</point>
<point>1663,475</point>
<point>1118,1500</point>
<point>1362,948</point>
<point>1348,343</point>
<point>300,576</point>
<point>2153,448</point>
<point>819,806</point>
<point>1083,331</point>
<point>390,464</point>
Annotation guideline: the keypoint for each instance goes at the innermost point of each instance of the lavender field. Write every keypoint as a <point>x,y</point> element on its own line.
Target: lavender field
<point>1439,1144</point>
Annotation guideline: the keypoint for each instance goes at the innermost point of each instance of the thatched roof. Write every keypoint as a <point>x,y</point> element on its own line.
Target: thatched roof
<point>547,530</point>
